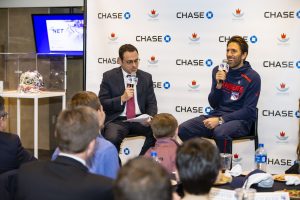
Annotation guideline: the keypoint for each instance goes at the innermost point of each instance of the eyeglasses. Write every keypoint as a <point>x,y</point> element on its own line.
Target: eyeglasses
<point>130,62</point>
<point>4,115</point>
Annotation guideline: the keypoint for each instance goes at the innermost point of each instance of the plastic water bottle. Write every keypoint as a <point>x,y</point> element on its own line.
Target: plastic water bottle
<point>154,156</point>
<point>261,158</point>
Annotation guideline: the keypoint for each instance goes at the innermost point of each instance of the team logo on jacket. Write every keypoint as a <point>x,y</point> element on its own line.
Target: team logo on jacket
<point>234,96</point>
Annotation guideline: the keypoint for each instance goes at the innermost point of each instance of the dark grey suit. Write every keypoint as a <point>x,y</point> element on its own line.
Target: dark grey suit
<point>62,179</point>
<point>111,90</point>
<point>12,153</point>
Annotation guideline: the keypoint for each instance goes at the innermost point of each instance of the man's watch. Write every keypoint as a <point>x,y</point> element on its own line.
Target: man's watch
<point>221,121</point>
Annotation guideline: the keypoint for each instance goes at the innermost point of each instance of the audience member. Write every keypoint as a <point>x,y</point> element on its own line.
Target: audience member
<point>198,165</point>
<point>164,127</point>
<point>124,100</point>
<point>12,153</point>
<point>105,160</point>
<point>67,177</point>
<point>142,179</point>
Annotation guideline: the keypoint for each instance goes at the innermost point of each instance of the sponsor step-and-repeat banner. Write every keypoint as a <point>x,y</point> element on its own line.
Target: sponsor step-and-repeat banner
<point>180,42</point>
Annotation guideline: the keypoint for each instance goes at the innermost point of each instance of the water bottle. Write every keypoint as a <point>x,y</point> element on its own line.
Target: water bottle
<point>261,158</point>
<point>154,156</point>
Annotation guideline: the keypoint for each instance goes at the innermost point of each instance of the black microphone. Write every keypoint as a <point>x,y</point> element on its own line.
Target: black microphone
<point>223,67</point>
<point>131,80</point>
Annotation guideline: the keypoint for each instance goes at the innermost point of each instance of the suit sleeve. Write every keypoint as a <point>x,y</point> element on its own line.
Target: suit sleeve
<point>109,102</point>
<point>23,155</point>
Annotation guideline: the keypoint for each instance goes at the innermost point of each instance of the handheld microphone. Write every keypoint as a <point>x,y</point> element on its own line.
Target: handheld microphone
<point>223,67</point>
<point>131,80</point>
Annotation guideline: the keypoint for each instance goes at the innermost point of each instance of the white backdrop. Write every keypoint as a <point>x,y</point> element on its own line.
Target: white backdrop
<point>180,42</point>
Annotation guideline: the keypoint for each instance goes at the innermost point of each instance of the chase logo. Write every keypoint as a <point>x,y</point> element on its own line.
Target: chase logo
<point>160,85</point>
<point>114,15</point>
<point>153,38</point>
<point>281,113</point>
<point>282,87</point>
<point>107,60</point>
<point>298,14</point>
<point>280,15</point>
<point>167,38</point>
<point>194,37</point>
<point>167,85</point>
<point>209,62</point>
<point>298,64</point>
<point>127,15</point>
<point>236,158</point>
<point>282,136</point>
<point>279,64</point>
<point>209,14</point>
<point>113,37</point>
<point>152,60</point>
<point>208,110</point>
<point>297,114</point>
<point>195,15</point>
<point>225,39</point>
<point>253,39</point>
<point>153,13</point>
<point>189,109</point>
<point>193,85</point>
<point>283,38</point>
<point>238,13</point>
<point>126,151</point>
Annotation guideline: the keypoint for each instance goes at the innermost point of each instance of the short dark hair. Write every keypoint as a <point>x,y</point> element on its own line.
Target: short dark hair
<point>142,179</point>
<point>76,128</point>
<point>164,125</point>
<point>198,165</point>
<point>126,47</point>
<point>85,98</point>
<point>241,42</point>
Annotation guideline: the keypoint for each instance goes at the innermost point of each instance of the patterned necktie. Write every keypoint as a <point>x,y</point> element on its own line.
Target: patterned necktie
<point>130,108</point>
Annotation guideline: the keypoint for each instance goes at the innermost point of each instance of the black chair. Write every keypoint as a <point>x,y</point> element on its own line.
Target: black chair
<point>253,133</point>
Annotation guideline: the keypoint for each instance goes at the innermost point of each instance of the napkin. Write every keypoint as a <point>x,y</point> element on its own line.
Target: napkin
<point>292,180</point>
<point>236,170</point>
<point>264,180</point>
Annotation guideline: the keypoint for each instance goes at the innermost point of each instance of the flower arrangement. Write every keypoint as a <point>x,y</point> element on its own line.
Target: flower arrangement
<point>31,82</point>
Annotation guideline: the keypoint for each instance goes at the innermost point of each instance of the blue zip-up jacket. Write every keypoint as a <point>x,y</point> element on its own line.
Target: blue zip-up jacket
<point>238,97</point>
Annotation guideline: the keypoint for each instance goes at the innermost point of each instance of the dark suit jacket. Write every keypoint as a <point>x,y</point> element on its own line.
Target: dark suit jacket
<point>12,153</point>
<point>112,88</point>
<point>61,179</point>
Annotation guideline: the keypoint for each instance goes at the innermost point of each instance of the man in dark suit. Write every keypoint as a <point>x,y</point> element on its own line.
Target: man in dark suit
<point>127,92</point>
<point>12,153</point>
<point>67,177</point>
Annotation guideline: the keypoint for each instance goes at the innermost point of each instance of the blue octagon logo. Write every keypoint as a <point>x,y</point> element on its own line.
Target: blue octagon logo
<point>209,62</point>
<point>209,15</point>
<point>167,38</point>
<point>167,85</point>
<point>127,15</point>
<point>253,39</point>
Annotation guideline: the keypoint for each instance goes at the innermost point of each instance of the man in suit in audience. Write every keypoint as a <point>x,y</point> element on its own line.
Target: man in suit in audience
<point>67,177</point>
<point>198,165</point>
<point>105,160</point>
<point>127,92</point>
<point>12,153</point>
<point>142,179</point>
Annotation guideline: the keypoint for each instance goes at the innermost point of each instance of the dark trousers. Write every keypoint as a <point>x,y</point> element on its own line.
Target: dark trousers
<point>117,130</point>
<point>222,134</point>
